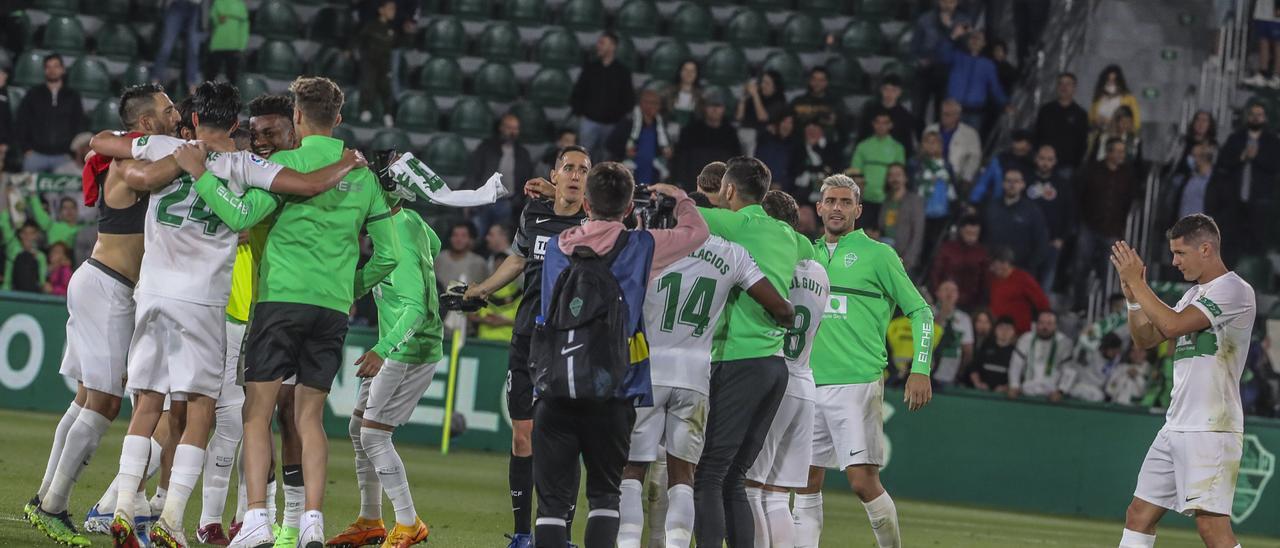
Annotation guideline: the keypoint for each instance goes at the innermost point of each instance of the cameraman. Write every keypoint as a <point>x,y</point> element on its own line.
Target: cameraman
<point>598,431</point>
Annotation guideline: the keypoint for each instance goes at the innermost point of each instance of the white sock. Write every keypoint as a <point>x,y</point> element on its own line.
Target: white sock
<point>220,455</point>
<point>59,441</point>
<point>808,520</point>
<point>1134,539</point>
<point>366,476</point>
<point>657,500</point>
<point>133,464</point>
<point>755,499</point>
<point>631,513</point>
<point>884,521</point>
<point>157,500</point>
<point>312,526</point>
<point>255,518</point>
<point>153,458</point>
<point>188,461</point>
<point>777,513</point>
<point>271,500</point>
<point>679,516</point>
<point>242,494</point>
<point>82,440</point>
<point>390,469</point>
<point>107,503</point>
<point>295,496</point>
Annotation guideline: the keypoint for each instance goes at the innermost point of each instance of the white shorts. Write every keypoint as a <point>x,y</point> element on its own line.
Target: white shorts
<point>788,447</point>
<point>1189,471</point>
<point>848,425</point>
<point>678,420</point>
<point>391,396</point>
<point>232,391</point>
<point>99,329</point>
<point>178,347</point>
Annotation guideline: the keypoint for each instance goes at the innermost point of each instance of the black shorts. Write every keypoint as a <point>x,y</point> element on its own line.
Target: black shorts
<point>519,379</point>
<point>295,339</point>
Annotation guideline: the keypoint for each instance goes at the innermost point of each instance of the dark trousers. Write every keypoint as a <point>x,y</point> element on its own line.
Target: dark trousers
<point>375,87</point>
<point>598,433</point>
<point>1093,252</point>
<point>744,398</point>
<point>228,62</point>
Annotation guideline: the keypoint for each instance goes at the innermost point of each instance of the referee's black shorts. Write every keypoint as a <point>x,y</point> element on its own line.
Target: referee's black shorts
<point>294,339</point>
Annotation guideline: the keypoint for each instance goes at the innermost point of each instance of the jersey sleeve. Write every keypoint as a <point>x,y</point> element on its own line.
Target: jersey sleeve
<point>411,286</point>
<point>386,248</point>
<point>720,222</point>
<point>155,147</point>
<point>1225,302</point>
<point>244,168</point>
<point>239,212</point>
<point>520,245</point>
<point>896,284</point>
<point>748,272</point>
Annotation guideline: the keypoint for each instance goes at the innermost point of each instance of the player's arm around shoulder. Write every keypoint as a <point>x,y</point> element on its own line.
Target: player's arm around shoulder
<point>289,181</point>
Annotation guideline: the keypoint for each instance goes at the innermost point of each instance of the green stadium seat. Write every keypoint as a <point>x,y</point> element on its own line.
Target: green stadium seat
<point>59,7</point>
<point>770,5</point>
<point>446,155</point>
<point>311,2</point>
<point>1256,270</point>
<point>15,98</point>
<point>730,102</point>
<point>277,59</point>
<point>725,65</point>
<point>114,10</point>
<point>470,9</point>
<point>63,34</point>
<point>802,32</point>
<point>637,18</point>
<point>902,44</point>
<point>137,73</point>
<point>500,42</point>
<point>251,86</point>
<point>276,20</point>
<point>117,41</point>
<point>691,23</point>
<point>788,65</point>
<point>351,111</point>
<point>334,64</point>
<point>665,60</point>
<point>471,117</point>
<point>559,48</point>
<point>441,76</point>
<point>626,52</point>
<point>389,139</point>
<point>105,115</point>
<point>445,37</point>
<point>29,69</point>
<point>89,76</point>
<point>345,134</point>
<point>747,28</point>
<point>861,37</point>
<point>496,82</point>
<point>876,9</point>
<point>845,75</point>
<point>900,69</point>
<point>417,112</point>
<point>550,87</point>
<point>332,26</point>
<point>19,33</point>
<point>654,84</point>
<point>534,127</point>
<point>525,12</point>
<point>823,8</point>
<point>429,6</point>
<point>148,10</point>
<point>584,15</point>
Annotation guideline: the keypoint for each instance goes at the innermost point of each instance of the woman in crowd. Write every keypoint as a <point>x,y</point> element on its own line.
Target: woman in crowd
<point>1109,94</point>
<point>763,98</point>
<point>683,99</point>
<point>902,217</point>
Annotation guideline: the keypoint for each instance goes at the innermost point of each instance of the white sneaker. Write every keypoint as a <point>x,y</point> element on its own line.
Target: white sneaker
<point>365,117</point>
<point>1257,80</point>
<point>312,534</point>
<point>387,120</point>
<point>258,537</point>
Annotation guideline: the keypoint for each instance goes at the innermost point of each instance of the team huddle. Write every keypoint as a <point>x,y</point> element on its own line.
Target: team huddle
<point>754,358</point>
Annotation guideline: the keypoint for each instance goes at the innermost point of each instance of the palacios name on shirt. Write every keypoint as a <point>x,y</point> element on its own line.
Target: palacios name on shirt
<point>712,259</point>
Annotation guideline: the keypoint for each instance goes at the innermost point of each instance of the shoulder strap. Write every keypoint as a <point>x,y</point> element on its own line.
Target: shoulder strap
<point>618,245</point>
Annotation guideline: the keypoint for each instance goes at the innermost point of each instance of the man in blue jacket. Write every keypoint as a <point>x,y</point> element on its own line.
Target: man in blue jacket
<point>973,80</point>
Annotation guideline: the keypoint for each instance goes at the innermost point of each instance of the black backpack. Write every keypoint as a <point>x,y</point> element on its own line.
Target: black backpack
<point>580,349</point>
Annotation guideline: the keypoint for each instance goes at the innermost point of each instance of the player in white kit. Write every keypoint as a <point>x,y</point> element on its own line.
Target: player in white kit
<point>1192,465</point>
<point>783,463</point>
<point>682,309</point>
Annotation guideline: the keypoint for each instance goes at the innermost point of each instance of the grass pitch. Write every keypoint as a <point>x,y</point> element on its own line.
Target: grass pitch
<point>463,497</point>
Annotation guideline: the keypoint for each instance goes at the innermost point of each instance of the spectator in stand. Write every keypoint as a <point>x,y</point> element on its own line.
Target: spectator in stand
<point>983,331</point>
<point>1202,129</point>
<point>763,101</point>
<point>1266,27</point>
<point>497,243</point>
<point>374,42</point>
<point>565,138</point>
<point>1014,292</point>
<point>1109,94</point>
<point>1016,223</point>
<point>1039,360</point>
<point>902,217</point>
<point>1006,73</point>
<point>972,79</point>
<point>181,17</point>
<point>228,36</point>
<point>872,157</point>
<point>990,369</point>
<point>932,177</point>
<point>64,229</point>
<point>1019,155</point>
<point>1128,383</point>
<point>683,99</point>
<point>497,321</point>
<point>602,95</point>
<point>778,147</point>
<point>6,117</point>
<point>500,153</point>
<point>642,141</point>
<point>1242,194</point>
<point>1121,127</point>
<point>1086,379</point>
<point>406,24</point>
<point>964,260</point>
<point>1057,201</point>
<point>708,139</point>
<point>1064,124</point>
<point>813,160</point>
<point>48,118</point>
<point>59,270</point>
<point>955,346</point>
<point>1188,187</point>
<point>458,263</point>
<point>1107,190</point>
<point>26,268</point>
<point>932,29</point>
<point>905,124</point>
<point>819,105</point>
<point>79,151</point>
<point>960,143</point>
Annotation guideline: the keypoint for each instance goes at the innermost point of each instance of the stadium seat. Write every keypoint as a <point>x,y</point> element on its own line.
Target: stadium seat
<point>388,139</point>
<point>730,102</point>
<point>332,26</point>
<point>19,33</point>
<point>861,37</point>
<point>500,42</point>
<point>665,60</point>
<point>559,48</point>
<point>525,12</point>
<point>445,37</point>
<point>58,7</point>
<point>446,155</point>
<point>823,8</point>
<point>691,23</point>
<point>626,52</point>
<point>1256,270</point>
<point>903,71</point>
<point>771,5</point>
<point>105,115</point>
<point>276,20</point>
<point>496,82</point>
<point>277,59</point>
<point>747,28</point>
<point>788,65</point>
<point>533,122</point>
<point>117,41</point>
<point>251,86</point>
<point>725,65</point>
<point>876,9</point>
<point>902,44</point>
<point>137,73</point>
<point>29,69</point>
<point>802,32</point>
<point>115,10</point>
<point>470,9</point>
<point>550,87</point>
<point>15,98</point>
<point>351,111</point>
<point>334,64</point>
<point>637,18</point>
<point>845,75</point>
<point>429,6</point>
<point>89,76</point>
<point>584,15</point>
<point>471,117</point>
<point>345,134</point>
<point>441,76</point>
<point>63,34</point>
<point>417,112</point>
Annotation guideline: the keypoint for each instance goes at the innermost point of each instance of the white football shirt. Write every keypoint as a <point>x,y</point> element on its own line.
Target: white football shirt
<point>682,308</point>
<point>1207,364</point>
<point>809,289</point>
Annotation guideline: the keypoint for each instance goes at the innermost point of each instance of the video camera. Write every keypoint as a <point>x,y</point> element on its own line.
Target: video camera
<point>653,210</point>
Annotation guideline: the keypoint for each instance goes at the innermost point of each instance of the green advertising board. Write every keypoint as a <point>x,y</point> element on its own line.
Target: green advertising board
<point>965,448</point>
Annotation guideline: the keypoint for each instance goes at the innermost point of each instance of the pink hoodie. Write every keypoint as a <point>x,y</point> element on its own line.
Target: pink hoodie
<point>669,245</point>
